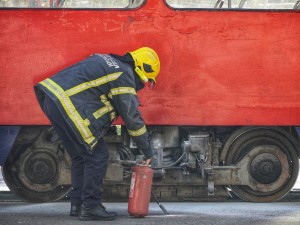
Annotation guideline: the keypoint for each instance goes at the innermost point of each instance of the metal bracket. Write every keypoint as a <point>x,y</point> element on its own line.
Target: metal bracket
<point>185,171</point>
<point>210,182</point>
<point>201,161</point>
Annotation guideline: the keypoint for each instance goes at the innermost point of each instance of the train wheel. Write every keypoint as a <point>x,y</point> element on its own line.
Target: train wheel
<point>38,172</point>
<point>273,165</point>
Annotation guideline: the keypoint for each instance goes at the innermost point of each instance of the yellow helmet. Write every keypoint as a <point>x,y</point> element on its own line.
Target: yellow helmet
<point>147,63</point>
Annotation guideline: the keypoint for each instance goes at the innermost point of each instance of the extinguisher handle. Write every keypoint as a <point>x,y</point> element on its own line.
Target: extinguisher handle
<point>163,209</point>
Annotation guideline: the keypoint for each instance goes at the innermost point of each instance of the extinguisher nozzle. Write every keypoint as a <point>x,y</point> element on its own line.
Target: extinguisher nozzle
<point>163,209</point>
<point>159,204</point>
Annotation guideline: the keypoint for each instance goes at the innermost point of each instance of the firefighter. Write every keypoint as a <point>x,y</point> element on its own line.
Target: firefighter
<point>81,103</point>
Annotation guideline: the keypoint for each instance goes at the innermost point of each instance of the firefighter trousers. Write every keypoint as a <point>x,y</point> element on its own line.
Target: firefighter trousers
<point>87,170</point>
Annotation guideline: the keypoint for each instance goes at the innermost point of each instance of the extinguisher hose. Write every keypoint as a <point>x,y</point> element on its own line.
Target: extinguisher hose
<point>159,204</point>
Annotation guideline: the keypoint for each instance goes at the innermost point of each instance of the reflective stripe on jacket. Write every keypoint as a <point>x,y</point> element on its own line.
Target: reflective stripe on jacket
<point>91,93</point>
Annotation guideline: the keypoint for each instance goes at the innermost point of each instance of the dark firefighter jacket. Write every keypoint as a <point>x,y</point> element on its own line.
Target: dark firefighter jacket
<point>91,93</point>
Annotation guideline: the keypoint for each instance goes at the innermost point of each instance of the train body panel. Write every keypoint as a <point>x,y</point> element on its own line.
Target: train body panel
<point>217,67</point>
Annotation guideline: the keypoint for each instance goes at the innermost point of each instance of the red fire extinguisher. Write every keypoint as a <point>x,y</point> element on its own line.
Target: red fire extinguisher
<point>140,191</point>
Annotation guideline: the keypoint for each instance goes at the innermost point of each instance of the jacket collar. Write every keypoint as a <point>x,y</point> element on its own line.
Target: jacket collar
<point>127,58</point>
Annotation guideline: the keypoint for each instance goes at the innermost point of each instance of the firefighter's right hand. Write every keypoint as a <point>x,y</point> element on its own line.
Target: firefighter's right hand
<point>146,163</point>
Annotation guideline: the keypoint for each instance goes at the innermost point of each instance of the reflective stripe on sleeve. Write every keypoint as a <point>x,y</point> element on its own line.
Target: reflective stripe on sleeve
<point>70,109</point>
<point>93,83</point>
<point>137,132</point>
<point>122,90</point>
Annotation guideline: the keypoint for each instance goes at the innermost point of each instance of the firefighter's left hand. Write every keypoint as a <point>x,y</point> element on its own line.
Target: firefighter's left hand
<point>146,163</point>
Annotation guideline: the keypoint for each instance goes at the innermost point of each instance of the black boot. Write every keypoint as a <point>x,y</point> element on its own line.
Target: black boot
<point>74,210</point>
<point>96,213</point>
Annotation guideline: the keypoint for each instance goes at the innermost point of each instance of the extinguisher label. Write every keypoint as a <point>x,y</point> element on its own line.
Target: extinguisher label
<point>132,184</point>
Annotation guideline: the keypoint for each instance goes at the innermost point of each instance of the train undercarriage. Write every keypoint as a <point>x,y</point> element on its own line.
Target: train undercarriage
<point>257,163</point>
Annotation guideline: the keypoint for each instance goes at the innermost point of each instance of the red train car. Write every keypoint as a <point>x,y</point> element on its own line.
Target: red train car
<point>224,112</point>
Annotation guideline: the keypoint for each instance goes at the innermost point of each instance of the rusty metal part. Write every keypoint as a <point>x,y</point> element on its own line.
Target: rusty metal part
<point>30,134</point>
<point>216,146</point>
<point>261,163</point>
<point>157,145</point>
<point>240,174</point>
<point>210,182</point>
<point>271,164</point>
<point>266,168</point>
<point>171,136</point>
<point>114,173</point>
<point>37,168</point>
<point>38,171</point>
<point>198,150</point>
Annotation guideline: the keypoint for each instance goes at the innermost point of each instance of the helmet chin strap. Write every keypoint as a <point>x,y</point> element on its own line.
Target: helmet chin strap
<point>152,84</point>
<point>141,74</point>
